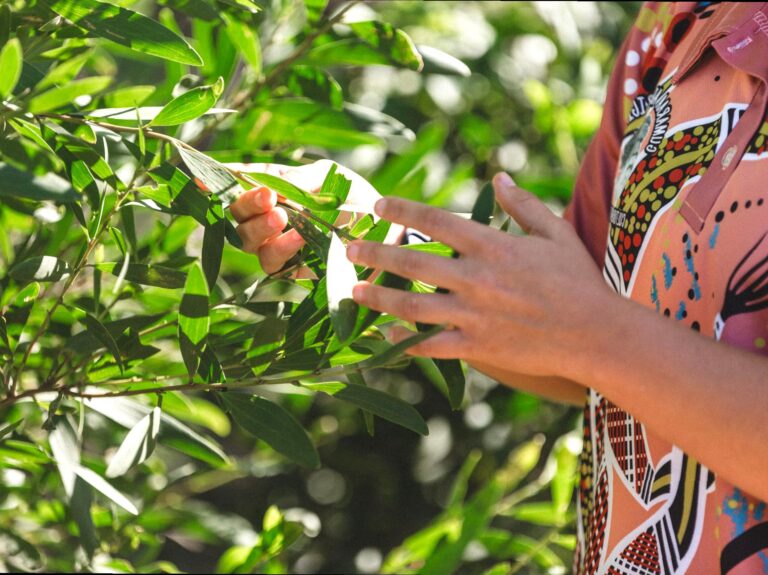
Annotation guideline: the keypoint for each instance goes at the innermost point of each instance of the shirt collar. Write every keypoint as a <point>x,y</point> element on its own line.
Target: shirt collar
<point>730,20</point>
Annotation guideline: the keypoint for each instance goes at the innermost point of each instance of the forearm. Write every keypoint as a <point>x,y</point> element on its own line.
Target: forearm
<point>549,387</point>
<point>708,398</point>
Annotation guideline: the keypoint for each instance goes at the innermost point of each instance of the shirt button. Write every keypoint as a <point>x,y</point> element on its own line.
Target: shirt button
<point>730,153</point>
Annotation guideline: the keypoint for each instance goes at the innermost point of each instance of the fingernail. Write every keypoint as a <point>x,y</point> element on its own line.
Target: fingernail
<point>353,250</point>
<point>505,179</point>
<point>380,206</point>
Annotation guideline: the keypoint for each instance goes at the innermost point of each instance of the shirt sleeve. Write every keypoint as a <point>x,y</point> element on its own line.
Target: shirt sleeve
<point>589,208</point>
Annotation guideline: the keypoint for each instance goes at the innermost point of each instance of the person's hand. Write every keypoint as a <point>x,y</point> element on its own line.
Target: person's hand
<point>527,304</point>
<point>261,221</point>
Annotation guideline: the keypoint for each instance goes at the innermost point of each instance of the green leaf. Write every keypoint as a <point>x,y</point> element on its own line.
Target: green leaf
<point>130,96</point>
<point>189,105</point>
<point>173,433</point>
<point>391,41</point>
<point>133,115</point>
<point>335,186</point>
<point>147,274</point>
<point>17,184</point>
<point>246,41</point>
<point>10,428</point>
<point>18,312</point>
<point>382,404</point>
<point>100,333</point>
<point>274,425</point>
<point>19,555</point>
<point>194,319</point>
<point>127,28</point>
<point>137,446</point>
<point>341,278</point>
<point>438,62</point>
<point>294,193</point>
<point>64,95</point>
<point>395,351</point>
<point>482,211</point>
<point>66,453</point>
<point>213,243</point>
<point>317,84</point>
<point>41,268</point>
<point>211,174</point>
<point>100,484</point>
<point>10,67</point>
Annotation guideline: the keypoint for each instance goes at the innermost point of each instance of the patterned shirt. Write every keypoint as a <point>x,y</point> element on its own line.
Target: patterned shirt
<point>676,181</point>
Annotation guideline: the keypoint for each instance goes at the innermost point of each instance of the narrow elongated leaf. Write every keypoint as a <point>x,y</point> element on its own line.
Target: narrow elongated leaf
<point>64,95</point>
<point>10,428</point>
<point>99,332</point>
<point>438,62</point>
<point>379,403</point>
<point>137,446</point>
<point>194,320</point>
<point>41,268</point>
<point>341,278</point>
<point>211,174</point>
<point>482,211</point>
<point>102,485</point>
<point>144,114</point>
<point>18,312</point>
<point>213,243</point>
<point>274,425</point>
<point>127,28</point>
<point>189,105</point>
<point>173,433</point>
<point>10,66</point>
<point>246,41</point>
<point>147,274</point>
<point>394,352</point>
<point>65,452</point>
<point>17,184</point>
<point>294,193</point>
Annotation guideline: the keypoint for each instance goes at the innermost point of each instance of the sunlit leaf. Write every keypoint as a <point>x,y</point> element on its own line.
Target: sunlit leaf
<point>294,193</point>
<point>272,424</point>
<point>194,320</point>
<point>128,28</point>
<point>64,95</point>
<point>189,105</point>
<point>10,66</point>
<point>147,274</point>
<point>246,41</point>
<point>18,184</point>
<point>41,268</point>
<point>438,62</point>
<point>377,402</point>
<point>105,488</point>
<point>211,174</point>
<point>137,446</point>
<point>341,278</point>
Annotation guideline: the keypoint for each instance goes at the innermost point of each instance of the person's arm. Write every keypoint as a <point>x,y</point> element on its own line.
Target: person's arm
<point>549,387</point>
<point>537,305</point>
<point>707,397</point>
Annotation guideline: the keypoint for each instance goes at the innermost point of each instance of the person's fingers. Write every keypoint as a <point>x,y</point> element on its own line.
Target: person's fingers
<point>432,269</point>
<point>252,203</point>
<point>448,344</point>
<point>277,250</point>
<point>409,306</point>
<point>259,229</point>
<point>533,216</point>
<point>463,235</point>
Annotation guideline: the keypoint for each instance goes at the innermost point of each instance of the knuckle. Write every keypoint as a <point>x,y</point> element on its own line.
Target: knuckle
<point>410,308</point>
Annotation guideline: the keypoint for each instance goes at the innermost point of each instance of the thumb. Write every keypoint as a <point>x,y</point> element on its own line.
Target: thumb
<point>526,209</point>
